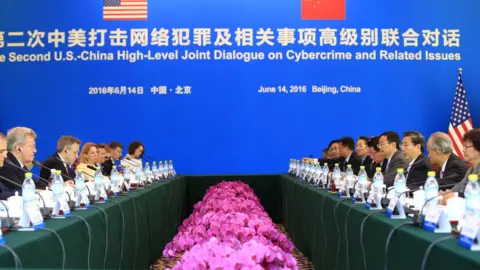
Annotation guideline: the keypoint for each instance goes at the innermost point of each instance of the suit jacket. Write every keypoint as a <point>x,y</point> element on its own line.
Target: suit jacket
<point>460,187</point>
<point>454,172</point>
<point>331,162</point>
<point>54,162</point>
<point>367,162</point>
<point>12,173</point>
<point>354,160</point>
<point>107,167</point>
<point>418,172</point>
<point>372,169</point>
<point>397,161</point>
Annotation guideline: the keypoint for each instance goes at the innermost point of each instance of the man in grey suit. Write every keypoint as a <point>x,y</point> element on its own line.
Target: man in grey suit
<point>389,145</point>
<point>471,154</point>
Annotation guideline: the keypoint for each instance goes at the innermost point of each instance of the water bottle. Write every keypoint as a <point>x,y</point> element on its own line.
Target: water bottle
<point>80,186</point>
<point>166,170</point>
<point>400,183</point>
<point>126,177</point>
<point>79,182</point>
<point>472,196</point>
<point>154,170</point>
<point>172,170</point>
<point>161,169</point>
<point>115,181</point>
<point>378,181</point>
<point>98,181</point>
<point>29,202</point>
<point>139,176</point>
<point>348,177</point>
<point>52,175</point>
<point>431,188</point>
<point>326,171</point>
<point>337,176</point>
<point>28,190</point>
<point>57,187</point>
<point>148,171</point>
<point>362,180</point>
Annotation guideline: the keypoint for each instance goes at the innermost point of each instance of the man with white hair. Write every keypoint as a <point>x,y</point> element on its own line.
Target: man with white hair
<point>21,150</point>
<point>440,151</point>
<point>3,149</point>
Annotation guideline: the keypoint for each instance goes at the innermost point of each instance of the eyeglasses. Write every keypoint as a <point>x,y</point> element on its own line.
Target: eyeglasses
<point>405,144</point>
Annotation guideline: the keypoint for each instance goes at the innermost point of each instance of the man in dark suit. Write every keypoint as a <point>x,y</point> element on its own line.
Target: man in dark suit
<point>376,156</point>
<point>361,148</point>
<point>333,155</point>
<point>21,150</point>
<point>346,151</point>
<point>67,152</point>
<point>419,165</point>
<point>440,151</point>
<point>389,145</point>
<point>114,153</point>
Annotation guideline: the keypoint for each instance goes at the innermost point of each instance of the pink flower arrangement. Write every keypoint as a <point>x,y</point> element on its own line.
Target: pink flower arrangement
<point>229,229</point>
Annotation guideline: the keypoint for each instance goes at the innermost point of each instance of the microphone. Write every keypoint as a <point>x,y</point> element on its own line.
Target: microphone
<point>151,158</point>
<point>385,201</point>
<point>67,164</point>
<point>130,161</point>
<point>411,211</point>
<point>11,181</point>
<point>18,167</point>
<point>39,164</point>
<point>419,217</point>
<point>45,213</point>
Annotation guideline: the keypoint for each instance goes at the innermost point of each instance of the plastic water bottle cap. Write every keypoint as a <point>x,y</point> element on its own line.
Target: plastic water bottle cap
<point>431,173</point>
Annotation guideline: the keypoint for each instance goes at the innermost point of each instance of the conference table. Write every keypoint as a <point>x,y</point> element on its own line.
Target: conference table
<point>132,230</point>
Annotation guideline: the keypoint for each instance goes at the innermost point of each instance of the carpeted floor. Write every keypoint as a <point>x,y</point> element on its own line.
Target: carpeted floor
<point>302,262</point>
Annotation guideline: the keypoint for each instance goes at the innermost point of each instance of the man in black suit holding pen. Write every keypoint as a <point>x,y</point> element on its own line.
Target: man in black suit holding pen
<point>67,152</point>
<point>452,169</point>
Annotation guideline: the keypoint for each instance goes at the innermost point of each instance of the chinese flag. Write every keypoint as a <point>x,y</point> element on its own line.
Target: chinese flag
<point>323,9</point>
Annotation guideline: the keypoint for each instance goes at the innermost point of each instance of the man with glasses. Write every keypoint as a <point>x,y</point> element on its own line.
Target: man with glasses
<point>417,170</point>
<point>21,151</point>
<point>66,155</point>
<point>389,145</point>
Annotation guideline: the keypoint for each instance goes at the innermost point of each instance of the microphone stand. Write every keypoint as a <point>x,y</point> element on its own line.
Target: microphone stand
<point>18,167</point>
<point>45,213</point>
<point>39,164</point>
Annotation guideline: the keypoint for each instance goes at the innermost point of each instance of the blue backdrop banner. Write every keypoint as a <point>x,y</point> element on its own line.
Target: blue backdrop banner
<point>233,87</point>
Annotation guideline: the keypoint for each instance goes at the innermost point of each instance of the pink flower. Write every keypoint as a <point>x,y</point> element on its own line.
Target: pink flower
<point>230,229</point>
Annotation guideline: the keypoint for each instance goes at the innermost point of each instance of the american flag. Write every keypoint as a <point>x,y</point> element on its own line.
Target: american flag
<point>460,120</point>
<point>121,10</point>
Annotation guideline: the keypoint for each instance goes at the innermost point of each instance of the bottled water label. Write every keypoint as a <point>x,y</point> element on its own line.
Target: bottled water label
<point>98,180</point>
<point>79,185</point>
<point>399,188</point>
<point>28,194</point>
<point>362,179</point>
<point>473,203</point>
